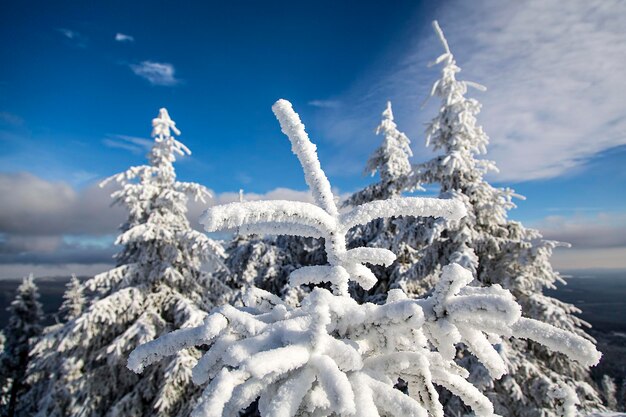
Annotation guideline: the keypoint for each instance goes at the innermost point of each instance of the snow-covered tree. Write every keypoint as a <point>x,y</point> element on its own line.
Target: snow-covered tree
<point>390,160</point>
<point>495,249</point>
<point>73,300</point>
<point>266,261</point>
<point>609,390</point>
<point>330,355</point>
<point>158,285</point>
<point>5,382</point>
<point>25,316</point>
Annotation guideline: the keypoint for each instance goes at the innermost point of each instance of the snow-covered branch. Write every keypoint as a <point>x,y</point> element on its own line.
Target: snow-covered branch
<point>331,355</point>
<point>323,219</point>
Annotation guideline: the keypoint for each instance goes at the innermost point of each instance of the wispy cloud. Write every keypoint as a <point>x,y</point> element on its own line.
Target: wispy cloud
<point>75,37</point>
<point>130,143</point>
<point>325,104</point>
<point>565,259</point>
<point>70,34</point>
<point>600,230</point>
<point>157,73</point>
<point>121,37</point>
<point>11,119</point>
<point>49,226</point>
<point>53,228</point>
<point>553,72</point>
<point>598,240</point>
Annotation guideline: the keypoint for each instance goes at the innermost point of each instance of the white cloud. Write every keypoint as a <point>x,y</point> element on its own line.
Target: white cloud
<point>37,207</point>
<point>598,240</point>
<point>601,230</point>
<point>553,71</point>
<point>133,144</point>
<point>11,119</point>
<point>75,37</point>
<point>52,270</point>
<point>121,37</point>
<point>575,259</point>
<point>70,34</point>
<point>325,104</point>
<point>47,226</point>
<point>52,228</point>
<point>157,73</point>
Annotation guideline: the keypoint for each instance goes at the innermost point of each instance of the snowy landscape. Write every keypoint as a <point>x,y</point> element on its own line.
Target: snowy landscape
<point>418,289</point>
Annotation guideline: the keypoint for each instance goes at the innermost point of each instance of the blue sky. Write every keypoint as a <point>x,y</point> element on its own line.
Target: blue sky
<point>81,81</point>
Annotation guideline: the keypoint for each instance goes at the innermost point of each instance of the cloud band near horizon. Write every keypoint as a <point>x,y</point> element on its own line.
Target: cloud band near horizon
<point>53,225</point>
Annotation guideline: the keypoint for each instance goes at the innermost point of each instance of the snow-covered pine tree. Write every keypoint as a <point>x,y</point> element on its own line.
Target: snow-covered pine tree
<point>495,249</point>
<point>266,261</point>
<point>73,300</point>
<point>25,316</point>
<point>4,381</point>
<point>158,285</point>
<point>331,355</point>
<point>391,161</point>
<point>609,391</point>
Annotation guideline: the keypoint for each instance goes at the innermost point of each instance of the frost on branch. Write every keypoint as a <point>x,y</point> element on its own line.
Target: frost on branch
<point>331,355</point>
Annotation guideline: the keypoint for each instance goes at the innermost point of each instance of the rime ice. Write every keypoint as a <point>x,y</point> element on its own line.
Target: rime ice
<point>330,355</point>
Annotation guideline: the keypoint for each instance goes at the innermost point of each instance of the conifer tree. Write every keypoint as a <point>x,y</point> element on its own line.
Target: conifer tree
<point>265,261</point>
<point>391,161</point>
<point>73,300</point>
<point>496,251</point>
<point>609,390</point>
<point>331,356</point>
<point>157,285</point>
<point>25,316</point>
<point>4,380</point>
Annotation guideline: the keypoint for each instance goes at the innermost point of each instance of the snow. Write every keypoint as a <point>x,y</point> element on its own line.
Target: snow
<point>306,151</point>
<point>390,160</point>
<point>159,284</point>
<point>330,354</point>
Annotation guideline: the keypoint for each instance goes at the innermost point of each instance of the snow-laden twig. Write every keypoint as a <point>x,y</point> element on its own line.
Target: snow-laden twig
<point>323,219</point>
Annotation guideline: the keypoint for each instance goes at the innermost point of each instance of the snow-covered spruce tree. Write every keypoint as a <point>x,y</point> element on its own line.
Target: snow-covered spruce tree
<point>495,249</point>
<point>4,380</point>
<point>331,355</point>
<point>73,300</point>
<point>266,261</point>
<point>158,285</point>
<point>609,391</point>
<point>25,316</point>
<point>391,161</point>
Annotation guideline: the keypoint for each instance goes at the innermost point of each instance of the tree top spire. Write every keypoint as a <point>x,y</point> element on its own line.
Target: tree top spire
<point>388,113</point>
<point>162,124</point>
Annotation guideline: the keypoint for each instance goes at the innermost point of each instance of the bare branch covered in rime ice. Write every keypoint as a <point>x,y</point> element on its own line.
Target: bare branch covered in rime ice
<point>331,355</point>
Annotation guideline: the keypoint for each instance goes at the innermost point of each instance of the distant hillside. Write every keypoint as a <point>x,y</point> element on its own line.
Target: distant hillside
<point>601,295</point>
